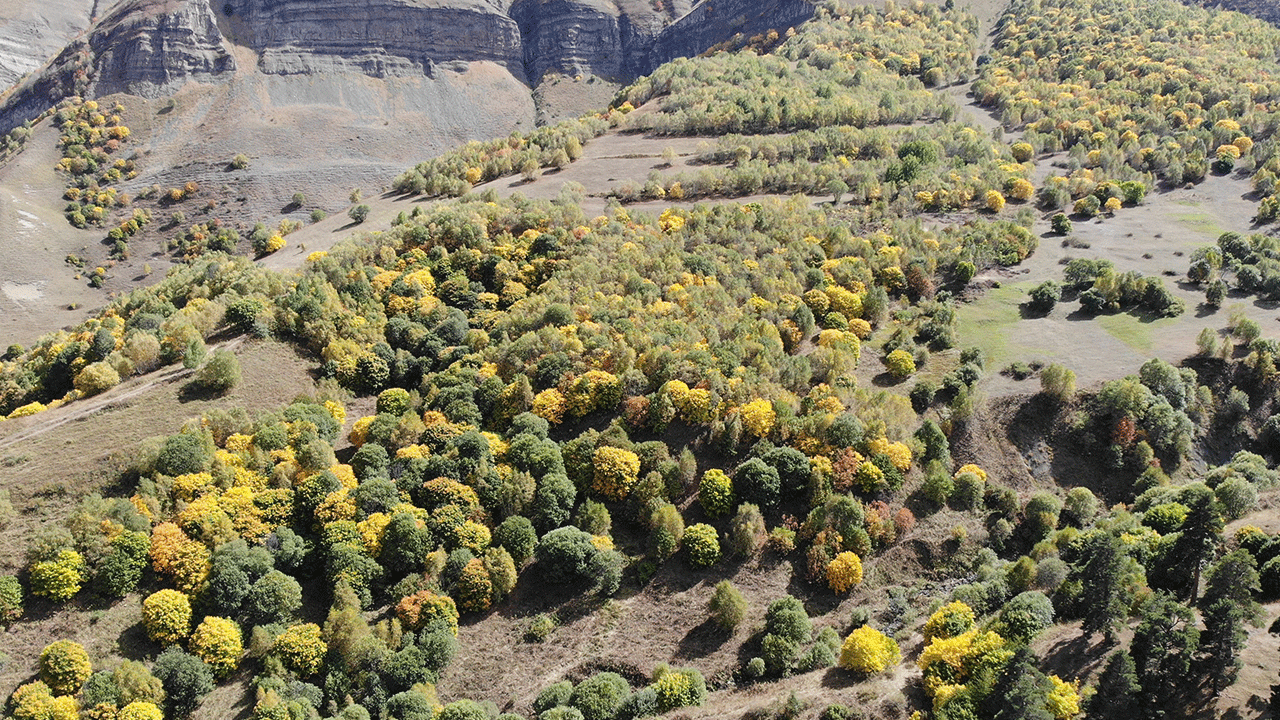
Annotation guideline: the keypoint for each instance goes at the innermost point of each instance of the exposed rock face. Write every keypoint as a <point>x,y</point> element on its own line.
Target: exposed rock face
<point>152,47</point>
<point>714,21</point>
<point>379,38</point>
<point>33,32</point>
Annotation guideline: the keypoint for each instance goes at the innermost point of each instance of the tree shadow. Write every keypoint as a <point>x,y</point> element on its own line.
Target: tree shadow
<point>1078,653</point>
<point>193,391</point>
<point>133,643</point>
<point>702,640</point>
<point>838,679</point>
<point>885,379</point>
<point>1204,309</point>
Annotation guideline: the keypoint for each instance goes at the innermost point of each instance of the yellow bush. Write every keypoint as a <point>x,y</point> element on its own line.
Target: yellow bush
<point>844,572</point>
<point>28,409</point>
<point>34,701</point>
<point>424,607</point>
<point>758,417</point>
<point>274,243</point>
<point>1020,189</point>
<point>1022,151</point>
<point>139,710</point>
<point>616,470</point>
<point>950,620</point>
<point>59,580</point>
<point>217,641</point>
<point>64,666</point>
<point>1111,205</point>
<point>1243,144</point>
<point>166,615</point>
<point>993,200</point>
<point>302,649</point>
<point>360,430</point>
<point>178,557</point>
<point>550,405</point>
<point>869,651</point>
<point>1063,698</point>
<point>971,468</point>
<point>96,378</point>
<point>900,363</point>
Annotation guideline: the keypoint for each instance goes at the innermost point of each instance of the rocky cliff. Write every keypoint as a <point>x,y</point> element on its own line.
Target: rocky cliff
<point>152,47</point>
<point>713,21</point>
<point>379,38</point>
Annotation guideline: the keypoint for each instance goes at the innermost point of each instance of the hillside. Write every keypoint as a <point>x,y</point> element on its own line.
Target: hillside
<point>904,360</point>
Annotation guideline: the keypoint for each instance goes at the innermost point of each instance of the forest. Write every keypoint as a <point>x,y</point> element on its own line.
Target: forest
<point>518,397</point>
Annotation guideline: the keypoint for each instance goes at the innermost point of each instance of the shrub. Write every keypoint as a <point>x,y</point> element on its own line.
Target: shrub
<point>59,580</point>
<point>474,589</point>
<point>517,535</point>
<point>1044,296</point>
<point>747,533</point>
<point>10,599</point>
<point>186,679</point>
<point>949,621</point>
<point>166,615</point>
<point>600,696</point>
<point>616,471</point>
<point>34,701</point>
<point>301,648</point>
<point>715,492</point>
<point>565,554</point>
<point>757,483</point>
<point>221,373</point>
<point>1060,224</point>
<point>727,606</point>
<point>182,454</point>
<point>869,651</point>
<point>1025,615</point>
<point>240,161</point>
<point>703,544</point>
<point>678,688</point>
<point>1058,382</point>
<point>358,214</point>
<point>217,641</point>
<point>394,401</point>
<point>540,628</point>
<point>425,608</point>
<point>64,666</point>
<point>139,710</point>
<point>96,378</point>
<point>900,364</point>
<point>844,572</point>
<point>1022,151</point>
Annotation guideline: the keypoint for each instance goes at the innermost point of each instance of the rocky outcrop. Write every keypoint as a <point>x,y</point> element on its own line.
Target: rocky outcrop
<point>152,47</point>
<point>33,32</point>
<point>713,21</point>
<point>379,38</point>
<point>585,37</point>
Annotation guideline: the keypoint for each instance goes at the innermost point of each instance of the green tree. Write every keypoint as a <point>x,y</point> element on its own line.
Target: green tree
<point>186,679</point>
<point>221,373</point>
<point>358,214</point>
<point>1117,696</point>
<point>1102,582</point>
<point>1163,648</point>
<point>727,606</point>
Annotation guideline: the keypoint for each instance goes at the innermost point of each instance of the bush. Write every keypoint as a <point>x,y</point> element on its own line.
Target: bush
<point>678,688</point>
<point>474,589</point>
<point>517,535</point>
<point>553,695</point>
<point>1044,296</point>
<point>240,161</point>
<point>64,666</point>
<point>540,628</point>
<point>186,679</point>
<point>358,214</point>
<point>166,615</point>
<point>1060,224</point>
<point>703,544</point>
<point>844,572</point>
<point>10,599</point>
<point>900,364</point>
<point>140,711</point>
<point>715,493</point>
<point>425,609</point>
<point>1058,382</point>
<point>616,471</point>
<point>869,651</point>
<point>182,454</point>
<point>948,621</point>
<point>96,378</point>
<point>747,532</point>
<point>221,373</point>
<point>59,580</point>
<point>302,649</point>
<point>1025,615</point>
<point>757,483</point>
<point>727,606</point>
<point>600,696</point>
<point>564,555</point>
<point>217,641</point>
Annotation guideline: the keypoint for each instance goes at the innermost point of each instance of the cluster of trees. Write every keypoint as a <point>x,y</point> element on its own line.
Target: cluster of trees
<point>1159,92</point>
<point>852,66</point>
<point>455,173</point>
<point>90,137</point>
<point>1247,263</point>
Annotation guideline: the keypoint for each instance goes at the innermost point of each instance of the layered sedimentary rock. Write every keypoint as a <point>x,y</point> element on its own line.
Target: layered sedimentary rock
<point>152,47</point>
<point>713,21</point>
<point>379,38</point>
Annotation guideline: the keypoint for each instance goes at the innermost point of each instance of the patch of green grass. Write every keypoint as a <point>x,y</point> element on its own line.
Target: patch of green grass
<point>1199,222</point>
<point>988,322</point>
<point>1127,329</point>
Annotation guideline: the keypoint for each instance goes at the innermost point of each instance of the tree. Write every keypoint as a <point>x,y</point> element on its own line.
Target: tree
<point>727,606</point>
<point>302,648</point>
<point>221,373</point>
<point>517,535</point>
<point>186,679</point>
<point>844,572</point>
<point>837,188</point>
<point>1025,615</point>
<point>1060,224</point>
<point>1101,575</point>
<point>1117,695</point>
<point>275,597</point>
<point>64,666</point>
<point>616,471</point>
<point>900,364</point>
<point>1195,544</point>
<point>1018,693</point>
<point>1223,638</point>
<point>58,579</point>
<point>217,641</point>
<point>166,614</point>
<point>600,696</point>
<point>703,545</point>
<point>1044,296</point>
<point>474,589</point>
<point>1163,647</point>
<point>564,555</point>
<point>757,483</point>
<point>869,651</point>
<point>715,493</point>
<point>950,620</point>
